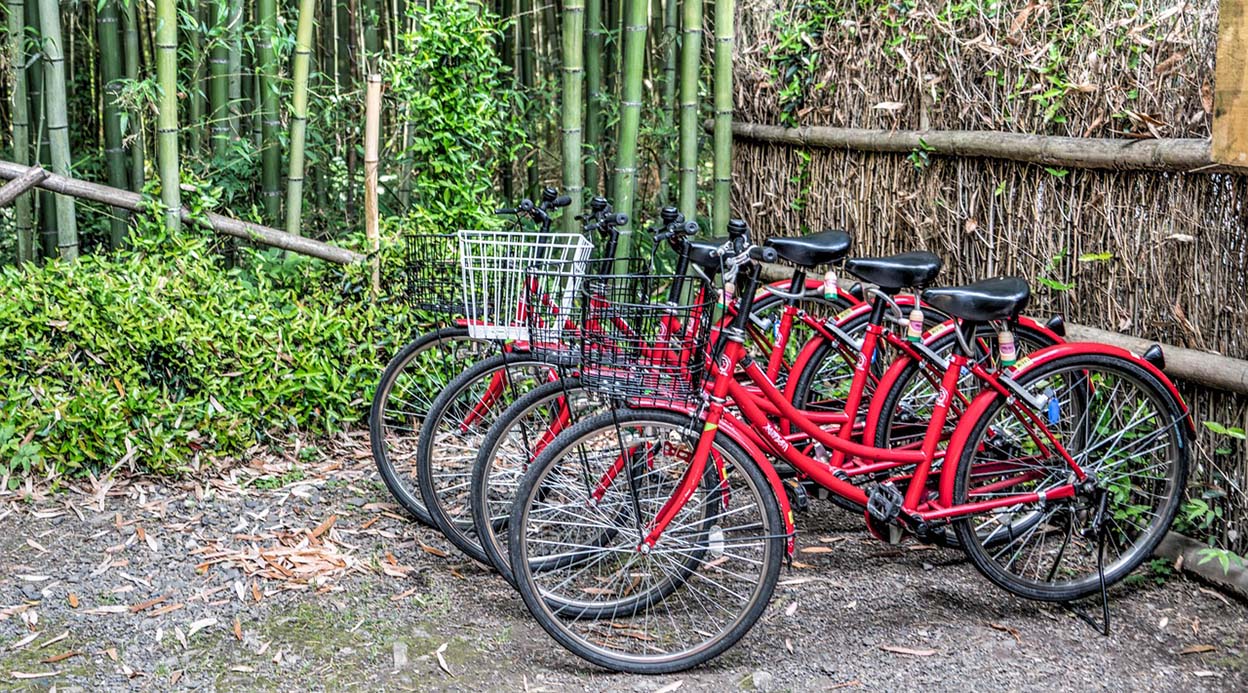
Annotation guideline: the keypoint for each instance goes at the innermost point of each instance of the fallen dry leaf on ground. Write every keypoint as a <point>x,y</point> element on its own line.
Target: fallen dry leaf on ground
<point>896,649</point>
<point>1197,649</point>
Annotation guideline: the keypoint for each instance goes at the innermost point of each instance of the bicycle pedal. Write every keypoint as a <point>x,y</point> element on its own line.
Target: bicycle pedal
<point>798,498</point>
<point>884,502</point>
<point>890,533</point>
<point>815,491</point>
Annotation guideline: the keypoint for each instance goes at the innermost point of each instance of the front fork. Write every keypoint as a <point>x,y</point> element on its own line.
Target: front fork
<point>722,369</point>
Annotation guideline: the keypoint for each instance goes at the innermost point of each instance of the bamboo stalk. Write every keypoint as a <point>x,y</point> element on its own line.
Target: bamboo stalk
<point>218,78</point>
<point>372,145</point>
<point>45,216</point>
<point>138,144</point>
<point>506,13</point>
<point>1189,154</point>
<point>370,34</point>
<point>690,62</point>
<point>270,151</point>
<point>668,106</point>
<point>58,124</point>
<point>114,149</point>
<point>234,64</point>
<point>593,85</point>
<point>528,82</point>
<point>722,192</point>
<point>573,79</point>
<point>14,188</point>
<point>21,127</point>
<point>630,116</point>
<point>133,201</point>
<point>167,114</point>
<point>299,115</point>
<point>198,91</point>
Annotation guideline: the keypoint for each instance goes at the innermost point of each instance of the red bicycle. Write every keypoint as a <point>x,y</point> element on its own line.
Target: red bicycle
<point>650,540</point>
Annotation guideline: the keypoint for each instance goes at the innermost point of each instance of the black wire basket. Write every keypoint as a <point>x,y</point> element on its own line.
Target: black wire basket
<point>431,273</point>
<point>554,296</point>
<point>638,342</point>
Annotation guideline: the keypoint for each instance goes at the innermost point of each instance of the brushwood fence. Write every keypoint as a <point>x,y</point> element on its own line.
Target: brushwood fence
<point>1160,254</point>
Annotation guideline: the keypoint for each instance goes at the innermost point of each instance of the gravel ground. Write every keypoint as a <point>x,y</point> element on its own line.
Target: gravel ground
<point>284,576</point>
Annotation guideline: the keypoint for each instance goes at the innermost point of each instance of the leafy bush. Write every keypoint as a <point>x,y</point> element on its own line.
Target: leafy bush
<point>158,355</point>
<point>456,97</point>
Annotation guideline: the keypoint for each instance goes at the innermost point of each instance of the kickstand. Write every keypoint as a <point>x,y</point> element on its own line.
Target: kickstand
<point>1098,529</point>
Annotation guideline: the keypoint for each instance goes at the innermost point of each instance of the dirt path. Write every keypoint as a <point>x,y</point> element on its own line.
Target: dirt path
<point>267,578</point>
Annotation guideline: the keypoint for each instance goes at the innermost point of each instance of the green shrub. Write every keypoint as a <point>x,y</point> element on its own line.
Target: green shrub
<point>159,355</point>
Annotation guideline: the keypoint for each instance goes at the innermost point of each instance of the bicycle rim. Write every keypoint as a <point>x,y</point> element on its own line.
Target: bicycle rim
<point>1124,431</point>
<point>576,558</point>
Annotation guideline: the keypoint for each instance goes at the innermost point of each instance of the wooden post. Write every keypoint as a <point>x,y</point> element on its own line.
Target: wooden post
<point>372,145</point>
<point>1230,102</point>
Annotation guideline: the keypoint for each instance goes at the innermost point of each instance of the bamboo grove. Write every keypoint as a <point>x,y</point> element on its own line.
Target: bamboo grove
<point>261,102</point>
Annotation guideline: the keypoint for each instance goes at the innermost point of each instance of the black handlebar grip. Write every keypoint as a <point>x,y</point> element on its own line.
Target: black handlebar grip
<point>692,228</point>
<point>669,214</point>
<point>619,219</point>
<point>561,201</point>
<point>598,203</point>
<point>504,210</point>
<point>763,254</point>
<point>549,194</point>
<point>526,205</point>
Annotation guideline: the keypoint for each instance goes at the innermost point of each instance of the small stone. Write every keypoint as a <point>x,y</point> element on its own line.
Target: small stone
<point>759,681</point>
<point>928,566</point>
<point>356,502</point>
<point>400,655</point>
<point>32,593</point>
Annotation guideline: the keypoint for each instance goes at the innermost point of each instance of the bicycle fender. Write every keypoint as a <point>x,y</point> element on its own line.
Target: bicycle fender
<point>1043,356</point>
<point>729,427</point>
<point>979,405</point>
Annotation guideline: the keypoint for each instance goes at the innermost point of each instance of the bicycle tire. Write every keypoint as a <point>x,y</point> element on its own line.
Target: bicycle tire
<point>986,436</point>
<point>493,479</point>
<point>396,476</point>
<point>739,468</point>
<point>442,475</point>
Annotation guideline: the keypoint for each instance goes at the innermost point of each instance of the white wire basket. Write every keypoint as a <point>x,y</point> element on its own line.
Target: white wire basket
<point>495,265</point>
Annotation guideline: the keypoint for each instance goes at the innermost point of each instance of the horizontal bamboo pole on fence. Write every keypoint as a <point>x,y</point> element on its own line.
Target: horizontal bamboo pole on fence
<point>1191,365</point>
<point>1189,155</point>
<point>221,224</point>
<point>21,184</point>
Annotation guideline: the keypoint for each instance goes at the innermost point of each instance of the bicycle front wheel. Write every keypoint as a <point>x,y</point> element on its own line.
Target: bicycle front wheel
<point>454,430</point>
<point>577,525</point>
<point>510,446</point>
<point>411,381</point>
<point>1124,429</point>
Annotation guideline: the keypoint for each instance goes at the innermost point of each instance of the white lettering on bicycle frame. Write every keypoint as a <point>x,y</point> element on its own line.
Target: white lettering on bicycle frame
<point>942,397</point>
<point>862,361</point>
<point>781,443</point>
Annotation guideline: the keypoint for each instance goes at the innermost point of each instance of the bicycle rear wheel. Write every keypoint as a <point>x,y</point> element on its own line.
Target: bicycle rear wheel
<point>510,446</point>
<point>576,527</point>
<point>1124,429</point>
<point>411,381</point>
<point>454,430</point>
